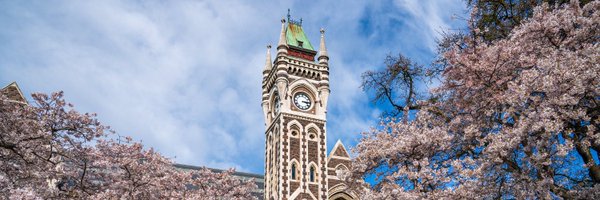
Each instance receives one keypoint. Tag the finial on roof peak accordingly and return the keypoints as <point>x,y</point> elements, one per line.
<point>322,31</point>
<point>268,46</point>
<point>290,20</point>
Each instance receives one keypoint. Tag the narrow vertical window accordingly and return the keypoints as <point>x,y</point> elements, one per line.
<point>293,171</point>
<point>312,174</point>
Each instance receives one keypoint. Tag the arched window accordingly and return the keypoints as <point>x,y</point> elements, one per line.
<point>295,130</point>
<point>313,134</point>
<point>293,171</point>
<point>312,174</point>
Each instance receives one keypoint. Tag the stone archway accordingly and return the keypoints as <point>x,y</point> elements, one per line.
<point>341,196</point>
<point>341,192</point>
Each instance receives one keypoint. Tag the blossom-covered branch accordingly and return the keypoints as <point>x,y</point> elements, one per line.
<point>523,119</point>
<point>48,150</point>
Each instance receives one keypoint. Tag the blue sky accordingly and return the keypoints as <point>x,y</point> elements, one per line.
<point>184,77</point>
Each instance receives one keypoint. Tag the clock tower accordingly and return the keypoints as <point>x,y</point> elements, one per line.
<point>294,101</point>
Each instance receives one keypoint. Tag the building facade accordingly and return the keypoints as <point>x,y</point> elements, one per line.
<point>294,101</point>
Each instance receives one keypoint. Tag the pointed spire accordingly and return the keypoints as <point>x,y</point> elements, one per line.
<point>281,46</point>
<point>268,63</point>
<point>323,57</point>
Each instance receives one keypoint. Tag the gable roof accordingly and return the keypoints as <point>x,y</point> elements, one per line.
<point>13,92</point>
<point>339,150</point>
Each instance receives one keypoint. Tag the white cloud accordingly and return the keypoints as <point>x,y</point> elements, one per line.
<point>184,76</point>
<point>432,17</point>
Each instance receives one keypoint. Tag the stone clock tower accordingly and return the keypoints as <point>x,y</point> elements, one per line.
<point>294,101</point>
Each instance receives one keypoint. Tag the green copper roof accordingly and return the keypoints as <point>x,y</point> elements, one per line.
<point>295,37</point>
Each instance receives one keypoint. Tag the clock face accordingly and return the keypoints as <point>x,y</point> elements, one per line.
<point>277,105</point>
<point>302,101</point>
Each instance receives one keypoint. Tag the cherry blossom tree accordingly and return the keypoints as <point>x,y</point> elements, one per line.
<point>517,118</point>
<point>497,18</point>
<point>48,150</point>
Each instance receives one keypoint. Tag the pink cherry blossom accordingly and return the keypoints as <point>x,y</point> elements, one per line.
<point>50,151</point>
<point>519,119</point>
